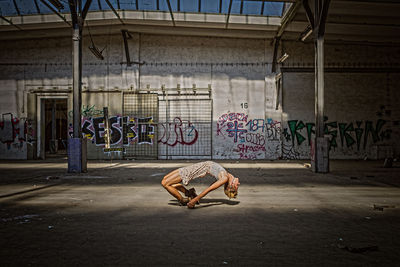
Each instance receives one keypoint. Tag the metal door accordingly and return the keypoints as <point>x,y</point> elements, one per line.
<point>139,122</point>
<point>185,128</point>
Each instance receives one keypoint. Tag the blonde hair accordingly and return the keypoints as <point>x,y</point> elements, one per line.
<point>230,194</point>
<point>231,189</point>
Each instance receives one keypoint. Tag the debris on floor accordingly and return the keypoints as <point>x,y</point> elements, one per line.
<point>388,163</point>
<point>382,207</point>
<point>52,178</point>
<point>21,219</point>
<point>359,249</point>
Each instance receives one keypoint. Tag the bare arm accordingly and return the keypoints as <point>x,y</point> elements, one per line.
<point>212,187</point>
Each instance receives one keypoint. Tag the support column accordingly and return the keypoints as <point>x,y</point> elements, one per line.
<point>76,158</point>
<point>53,141</point>
<point>320,144</point>
<point>77,79</point>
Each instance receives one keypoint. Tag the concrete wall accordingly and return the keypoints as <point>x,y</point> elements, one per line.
<point>362,117</point>
<point>251,119</point>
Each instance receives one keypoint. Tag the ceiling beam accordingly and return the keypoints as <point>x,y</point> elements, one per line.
<point>170,12</point>
<point>115,12</point>
<point>262,8</point>
<point>288,17</point>
<point>309,14</point>
<point>16,7</point>
<point>275,55</point>
<point>371,1</point>
<point>241,7</point>
<point>290,1</point>
<point>37,6</point>
<point>126,35</point>
<point>86,8</point>
<point>55,12</point>
<point>10,22</point>
<point>322,18</point>
<point>74,15</point>
<point>229,14</point>
<point>284,23</point>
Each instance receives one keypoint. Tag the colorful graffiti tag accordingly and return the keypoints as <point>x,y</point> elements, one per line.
<point>262,138</point>
<point>16,131</point>
<point>178,132</point>
<point>352,137</point>
<point>350,134</point>
<point>248,135</point>
<point>88,111</point>
<point>124,130</point>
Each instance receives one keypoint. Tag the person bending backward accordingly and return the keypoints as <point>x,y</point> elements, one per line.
<point>174,182</point>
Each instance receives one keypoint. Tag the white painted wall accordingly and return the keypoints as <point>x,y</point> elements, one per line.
<point>243,88</point>
<point>357,101</point>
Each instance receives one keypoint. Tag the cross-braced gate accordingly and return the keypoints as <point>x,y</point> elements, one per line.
<point>171,125</point>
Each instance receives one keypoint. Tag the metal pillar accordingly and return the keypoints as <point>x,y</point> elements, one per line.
<point>53,141</point>
<point>320,147</point>
<point>77,145</point>
<point>77,79</point>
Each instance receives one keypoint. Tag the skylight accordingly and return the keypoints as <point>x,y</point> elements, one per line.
<point>238,7</point>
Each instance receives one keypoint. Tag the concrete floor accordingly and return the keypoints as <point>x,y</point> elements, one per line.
<point>118,214</point>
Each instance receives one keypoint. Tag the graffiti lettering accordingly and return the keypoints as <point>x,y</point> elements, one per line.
<point>348,134</point>
<point>220,128</point>
<point>249,151</point>
<point>178,132</point>
<point>256,124</point>
<point>256,139</point>
<point>273,130</point>
<point>289,152</point>
<point>235,130</point>
<point>123,130</point>
<point>295,127</point>
<point>245,148</point>
<point>232,117</point>
<point>88,111</point>
<point>14,131</point>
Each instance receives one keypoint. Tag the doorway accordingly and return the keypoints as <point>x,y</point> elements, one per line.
<point>56,127</point>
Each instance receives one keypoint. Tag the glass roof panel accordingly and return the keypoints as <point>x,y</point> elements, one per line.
<point>210,6</point>
<point>189,6</point>
<point>148,4</point>
<point>252,8</point>
<point>246,7</point>
<point>273,8</point>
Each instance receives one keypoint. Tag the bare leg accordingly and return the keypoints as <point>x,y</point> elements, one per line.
<point>181,188</point>
<point>170,182</point>
<point>190,193</point>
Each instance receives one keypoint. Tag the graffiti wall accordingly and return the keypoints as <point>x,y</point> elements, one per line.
<point>346,139</point>
<point>124,131</point>
<point>15,135</point>
<point>178,132</point>
<point>184,139</point>
<point>241,137</point>
<point>173,138</point>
